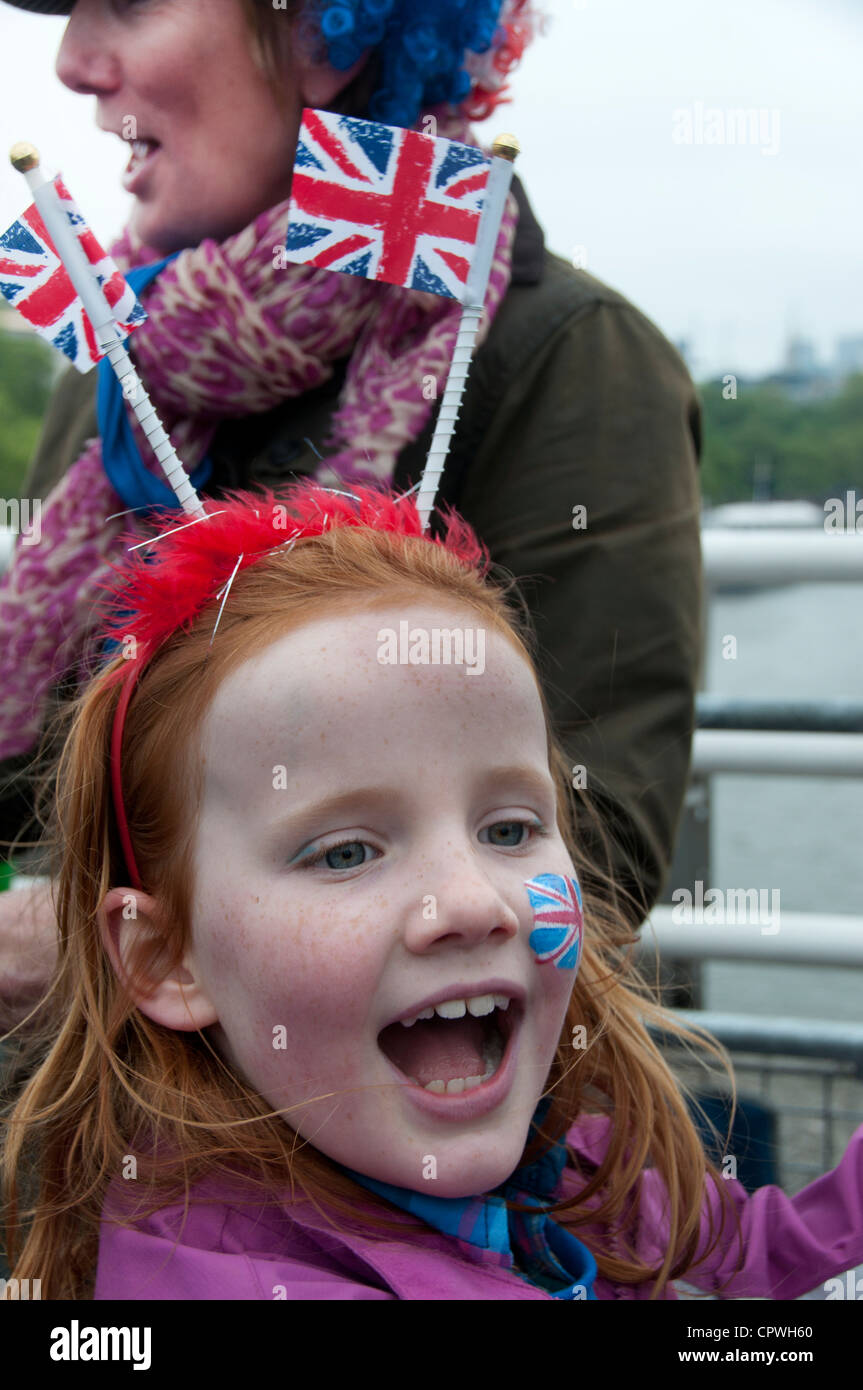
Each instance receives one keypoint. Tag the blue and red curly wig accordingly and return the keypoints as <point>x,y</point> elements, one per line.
<point>457,52</point>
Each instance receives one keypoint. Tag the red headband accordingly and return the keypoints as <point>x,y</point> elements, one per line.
<point>170,580</point>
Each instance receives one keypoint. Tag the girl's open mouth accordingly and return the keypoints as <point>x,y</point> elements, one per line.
<point>457,1047</point>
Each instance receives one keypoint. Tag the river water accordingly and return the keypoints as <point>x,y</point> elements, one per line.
<point>802,835</point>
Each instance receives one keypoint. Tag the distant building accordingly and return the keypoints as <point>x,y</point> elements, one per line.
<point>803,378</point>
<point>805,386</point>
<point>849,355</point>
<point>801,357</point>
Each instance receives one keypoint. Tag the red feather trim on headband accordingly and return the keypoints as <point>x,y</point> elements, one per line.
<point>167,582</point>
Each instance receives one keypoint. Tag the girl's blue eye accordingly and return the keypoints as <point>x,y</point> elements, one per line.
<point>510,825</point>
<point>344,859</point>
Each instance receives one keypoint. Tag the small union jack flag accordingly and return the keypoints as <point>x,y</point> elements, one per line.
<point>34,280</point>
<point>559,921</point>
<point>385,203</point>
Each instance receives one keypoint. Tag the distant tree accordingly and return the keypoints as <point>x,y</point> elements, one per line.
<point>812,450</point>
<point>27,373</point>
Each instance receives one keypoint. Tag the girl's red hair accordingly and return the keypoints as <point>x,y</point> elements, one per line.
<point>101,1081</point>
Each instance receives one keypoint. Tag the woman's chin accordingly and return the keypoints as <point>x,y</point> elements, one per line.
<point>160,235</point>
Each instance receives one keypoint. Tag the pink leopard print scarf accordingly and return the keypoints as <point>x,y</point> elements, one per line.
<point>229,334</point>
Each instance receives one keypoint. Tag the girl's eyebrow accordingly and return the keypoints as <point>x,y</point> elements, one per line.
<point>372,797</point>
<point>385,798</point>
<point>536,783</point>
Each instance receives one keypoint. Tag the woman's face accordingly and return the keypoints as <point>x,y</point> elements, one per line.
<point>434,783</point>
<point>179,74</point>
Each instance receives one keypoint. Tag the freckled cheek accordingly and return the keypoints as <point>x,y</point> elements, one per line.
<point>563,994</point>
<point>318,985</point>
<point>241,959</point>
<point>328,998</point>
<point>224,935</point>
<point>552,1000</point>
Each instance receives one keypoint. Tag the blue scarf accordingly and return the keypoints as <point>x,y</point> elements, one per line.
<point>121,458</point>
<point>550,1256</point>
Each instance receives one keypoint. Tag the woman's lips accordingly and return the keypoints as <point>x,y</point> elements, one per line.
<point>140,164</point>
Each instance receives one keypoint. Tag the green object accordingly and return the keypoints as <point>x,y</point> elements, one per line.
<point>7,873</point>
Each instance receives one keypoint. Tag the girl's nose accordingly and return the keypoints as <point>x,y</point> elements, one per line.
<point>87,61</point>
<point>460,905</point>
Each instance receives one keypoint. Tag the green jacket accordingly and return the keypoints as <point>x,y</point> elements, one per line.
<point>575,400</point>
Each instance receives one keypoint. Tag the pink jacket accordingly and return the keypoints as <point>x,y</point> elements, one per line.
<point>231,1250</point>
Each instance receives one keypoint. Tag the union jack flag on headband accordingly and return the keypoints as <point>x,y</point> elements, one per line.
<point>34,280</point>
<point>559,921</point>
<point>385,203</point>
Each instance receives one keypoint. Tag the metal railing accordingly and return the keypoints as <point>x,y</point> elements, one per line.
<point>809,1072</point>
<point>818,738</point>
<point>751,558</point>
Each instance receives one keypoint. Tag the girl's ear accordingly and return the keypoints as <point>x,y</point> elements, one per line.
<point>127,920</point>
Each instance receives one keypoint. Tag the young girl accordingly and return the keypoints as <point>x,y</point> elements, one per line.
<point>341,1012</point>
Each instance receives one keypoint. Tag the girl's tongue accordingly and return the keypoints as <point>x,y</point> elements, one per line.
<point>438,1049</point>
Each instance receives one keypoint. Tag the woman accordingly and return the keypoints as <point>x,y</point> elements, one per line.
<point>576,449</point>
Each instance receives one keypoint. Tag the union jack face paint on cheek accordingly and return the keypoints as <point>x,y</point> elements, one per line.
<point>558,919</point>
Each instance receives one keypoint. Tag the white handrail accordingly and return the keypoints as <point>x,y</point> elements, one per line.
<point>764,751</point>
<point>803,938</point>
<point>745,557</point>
<point>755,557</point>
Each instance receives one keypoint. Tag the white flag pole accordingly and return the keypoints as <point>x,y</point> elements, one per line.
<point>504,149</point>
<point>25,158</point>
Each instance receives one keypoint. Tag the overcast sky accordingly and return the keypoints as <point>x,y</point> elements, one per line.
<point>731,245</point>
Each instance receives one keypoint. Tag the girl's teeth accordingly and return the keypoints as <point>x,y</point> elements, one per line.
<point>479,1005</point>
<point>459,1083</point>
<point>453,1008</point>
